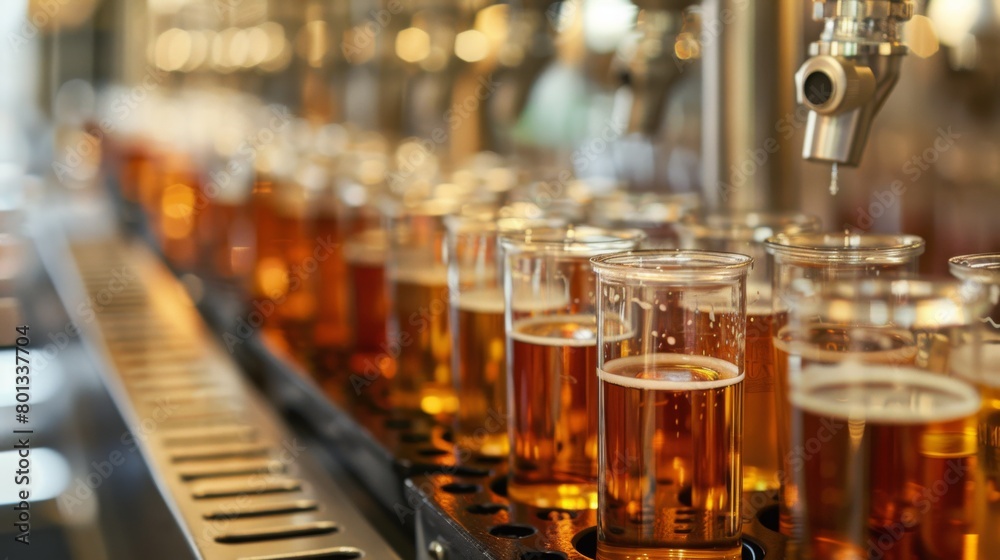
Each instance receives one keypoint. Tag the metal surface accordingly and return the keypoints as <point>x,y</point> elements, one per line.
<point>239,484</point>
<point>749,54</point>
<point>654,68</point>
<point>853,68</point>
<point>461,517</point>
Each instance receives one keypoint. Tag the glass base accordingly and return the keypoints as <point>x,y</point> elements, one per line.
<point>610,552</point>
<point>556,496</point>
<point>759,480</point>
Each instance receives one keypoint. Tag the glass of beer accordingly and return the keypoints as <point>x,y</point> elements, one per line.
<point>745,233</point>
<point>418,337</point>
<point>551,323</point>
<point>984,270</point>
<point>479,355</point>
<point>365,253</point>
<point>821,257</point>
<point>671,328</point>
<point>656,214</point>
<point>883,409</point>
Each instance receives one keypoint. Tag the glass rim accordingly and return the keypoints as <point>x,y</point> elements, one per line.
<point>978,267</point>
<point>672,264</point>
<point>916,301</point>
<point>845,247</point>
<point>583,241</point>
<point>748,226</point>
<point>458,224</point>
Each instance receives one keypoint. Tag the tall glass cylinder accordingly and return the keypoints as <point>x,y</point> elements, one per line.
<point>417,332</point>
<point>671,338</point>
<point>475,288</point>
<point>823,257</point>
<point>984,270</point>
<point>883,407</point>
<point>551,324</point>
<point>745,233</point>
<point>656,214</point>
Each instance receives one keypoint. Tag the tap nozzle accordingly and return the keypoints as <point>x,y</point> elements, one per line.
<point>851,71</point>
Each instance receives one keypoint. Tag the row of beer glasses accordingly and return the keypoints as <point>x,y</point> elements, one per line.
<point>624,377</point>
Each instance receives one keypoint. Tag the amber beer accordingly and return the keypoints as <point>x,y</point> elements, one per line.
<point>897,456</point>
<point>760,471</point>
<point>419,325</point>
<point>554,388</point>
<point>481,424</point>
<point>671,426</point>
<point>823,344</point>
<point>365,255</point>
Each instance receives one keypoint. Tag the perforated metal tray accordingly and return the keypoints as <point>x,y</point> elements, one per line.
<point>239,483</point>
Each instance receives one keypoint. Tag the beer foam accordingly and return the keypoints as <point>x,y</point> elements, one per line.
<point>483,300</point>
<point>363,255</point>
<point>808,351</point>
<point>730,373</point>
<point>962,364</point>
<point>588,320</point>
<point>490,300</point>
<point>874,393</point>
<point>425,276</point>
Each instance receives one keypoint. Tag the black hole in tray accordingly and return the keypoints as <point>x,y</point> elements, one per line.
<point>432,452</point>
<point>513,531</point>
<point>491,460</point>
<point>543,555</point>
<point>470,472</point>
<point>499,486</point>
<point>585,542</point>
<point>752,550</point>
<point>398,423</point>
<point>413,437</point>
<point>461,488</point>
<point>557,514</point>
<point>768,517</point>
<point>486,509</point>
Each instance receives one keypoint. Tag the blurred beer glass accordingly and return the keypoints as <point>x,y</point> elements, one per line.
<point>671,338</point>
<point>984,270</point>
<point>365,253</point>
<point>883,413</point>
<point>551,324</point>
<point>475,286</point>
<point>745,233</point>
<point>656,214</point>
<point>822,257</point>
<point>418,332</point>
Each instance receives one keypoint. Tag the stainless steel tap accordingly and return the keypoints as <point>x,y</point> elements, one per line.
<point>851,71</point>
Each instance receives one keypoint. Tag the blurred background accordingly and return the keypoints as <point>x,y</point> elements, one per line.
<point>231,135</point>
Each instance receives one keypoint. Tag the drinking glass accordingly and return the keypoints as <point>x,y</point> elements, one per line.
<point>671,328</point>
<point>551,324</point>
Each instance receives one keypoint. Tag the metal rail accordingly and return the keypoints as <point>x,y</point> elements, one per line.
<point>239,483</point>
